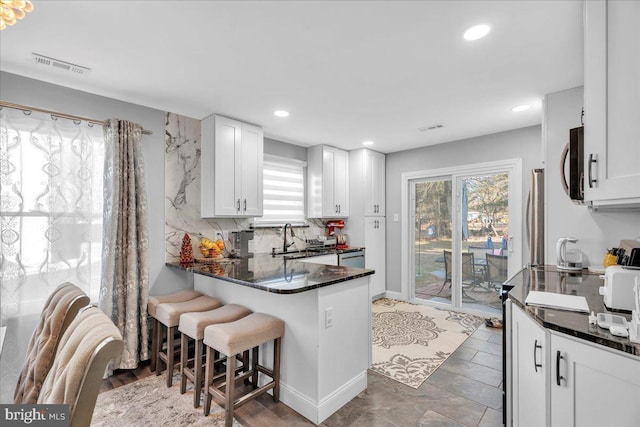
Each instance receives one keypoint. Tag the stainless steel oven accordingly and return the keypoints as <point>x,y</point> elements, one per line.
<point>351,259</point>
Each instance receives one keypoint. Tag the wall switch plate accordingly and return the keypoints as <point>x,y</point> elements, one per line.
<point>396,217</point>
<point>328,317</point>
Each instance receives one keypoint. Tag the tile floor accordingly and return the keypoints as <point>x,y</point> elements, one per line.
<point>464,391</point>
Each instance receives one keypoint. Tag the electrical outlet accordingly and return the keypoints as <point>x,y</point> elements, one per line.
<point>328,317</point>
<point>396,217</point>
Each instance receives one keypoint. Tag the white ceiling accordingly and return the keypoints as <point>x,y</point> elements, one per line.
<point>347,71</point>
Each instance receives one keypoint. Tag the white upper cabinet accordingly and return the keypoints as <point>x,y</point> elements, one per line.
<point>612,103</point>
<point>367,169</point>
<point>327,182</point>
<point>231,163</point>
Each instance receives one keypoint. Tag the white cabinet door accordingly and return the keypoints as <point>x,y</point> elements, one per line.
<point>222,189</point>
<point>251,163</point>
<point>341,182</point>
<point>592,386</point>
<point>329,204</point>
<point>375,252</point>
<point>612,102</point>
<point>328,182</point>
<point>374,183</point>
<point>322,259</point>
<point>529,370</point>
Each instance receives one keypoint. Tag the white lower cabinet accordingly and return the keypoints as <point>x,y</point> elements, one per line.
<point>592,386</point>
<point>529,370</point>
<point>563,381</point>
<point>322,259</point>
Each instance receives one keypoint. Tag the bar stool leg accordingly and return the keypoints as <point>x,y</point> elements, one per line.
<point>254,368</point>
<point>197,373</point>
<point>154,345</point>
<point>170,359</point>
<point>184,359</point>
<point>208,379</point>
<point>229,391</point>
<point>276,370</point>
<point>159,339</point>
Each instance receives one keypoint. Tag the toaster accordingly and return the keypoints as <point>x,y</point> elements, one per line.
<point>618,288</point>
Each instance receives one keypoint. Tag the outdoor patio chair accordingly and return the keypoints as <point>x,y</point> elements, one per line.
<point>496,270</point>
<point>469,279</point>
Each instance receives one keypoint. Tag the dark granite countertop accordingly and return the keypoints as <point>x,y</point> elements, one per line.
<point>550,279</point>
<point>275,274</point>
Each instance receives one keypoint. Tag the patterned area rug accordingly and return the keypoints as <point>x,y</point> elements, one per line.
<point>410,341</point>
<point>148,402</point>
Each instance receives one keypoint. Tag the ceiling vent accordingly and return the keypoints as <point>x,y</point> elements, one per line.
<point>431,127</point>
<point>59,64</point>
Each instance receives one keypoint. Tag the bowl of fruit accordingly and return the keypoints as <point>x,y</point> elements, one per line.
<point>210,248</point>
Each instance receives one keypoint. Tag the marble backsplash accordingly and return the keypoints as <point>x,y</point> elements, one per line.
<point>182,197</point>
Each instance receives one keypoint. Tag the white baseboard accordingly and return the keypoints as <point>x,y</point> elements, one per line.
<point>336,400</point>
<point>394,295</point>
<point>342,396</point>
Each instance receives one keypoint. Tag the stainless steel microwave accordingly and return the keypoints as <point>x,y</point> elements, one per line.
<point>572,165</point>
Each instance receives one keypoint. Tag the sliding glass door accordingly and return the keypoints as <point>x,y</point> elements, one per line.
<point>460,237</point>
<point>432,238</point>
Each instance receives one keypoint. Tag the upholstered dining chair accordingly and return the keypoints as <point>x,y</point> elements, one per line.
<point>85,350</point>
<point>59,310</point>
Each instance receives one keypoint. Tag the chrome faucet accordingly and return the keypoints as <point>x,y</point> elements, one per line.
<point>285,245</point>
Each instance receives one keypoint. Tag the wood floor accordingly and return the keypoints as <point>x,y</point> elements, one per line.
<point>464,391</point>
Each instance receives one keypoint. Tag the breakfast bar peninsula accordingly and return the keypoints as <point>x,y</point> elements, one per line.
<point>326,348</point>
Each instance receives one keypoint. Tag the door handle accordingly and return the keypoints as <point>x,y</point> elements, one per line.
<point>536,346</point>
<point>558,376</point>
<point>591,162</point>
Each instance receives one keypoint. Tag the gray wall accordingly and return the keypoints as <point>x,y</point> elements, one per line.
<point>36,93</point>
<point>520,143</point>
<point>596,231</point>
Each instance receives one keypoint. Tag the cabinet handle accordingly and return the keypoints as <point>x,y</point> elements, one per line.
<point>591,162</point>
<point>536,365</point>
<point>558,376</point>
<point>339,208</point>
<point>336,208</point>
<point>238,203</point>
<point>245,205</point>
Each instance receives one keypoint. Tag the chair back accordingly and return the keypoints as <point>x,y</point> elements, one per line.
<point>86,348</point>
<point>468,270</point>
<point>59,310</point>
<point>497,268</point>
<point>467,266</point>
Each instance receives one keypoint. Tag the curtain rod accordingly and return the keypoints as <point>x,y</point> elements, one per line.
<point>62,115</point>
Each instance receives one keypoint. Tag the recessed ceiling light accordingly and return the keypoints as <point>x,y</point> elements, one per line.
<point>367,143</point>
<point>520,108</point>
<point>281,113</point>
<point>477,32</point>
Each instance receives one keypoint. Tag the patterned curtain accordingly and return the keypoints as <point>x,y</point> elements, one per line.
<point>50,221</point>
<point>125,275</point>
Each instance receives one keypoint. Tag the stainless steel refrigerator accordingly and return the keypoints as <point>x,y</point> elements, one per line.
<point>535,217</point>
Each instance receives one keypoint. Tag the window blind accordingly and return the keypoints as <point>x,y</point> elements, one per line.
<point>283,192</point>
